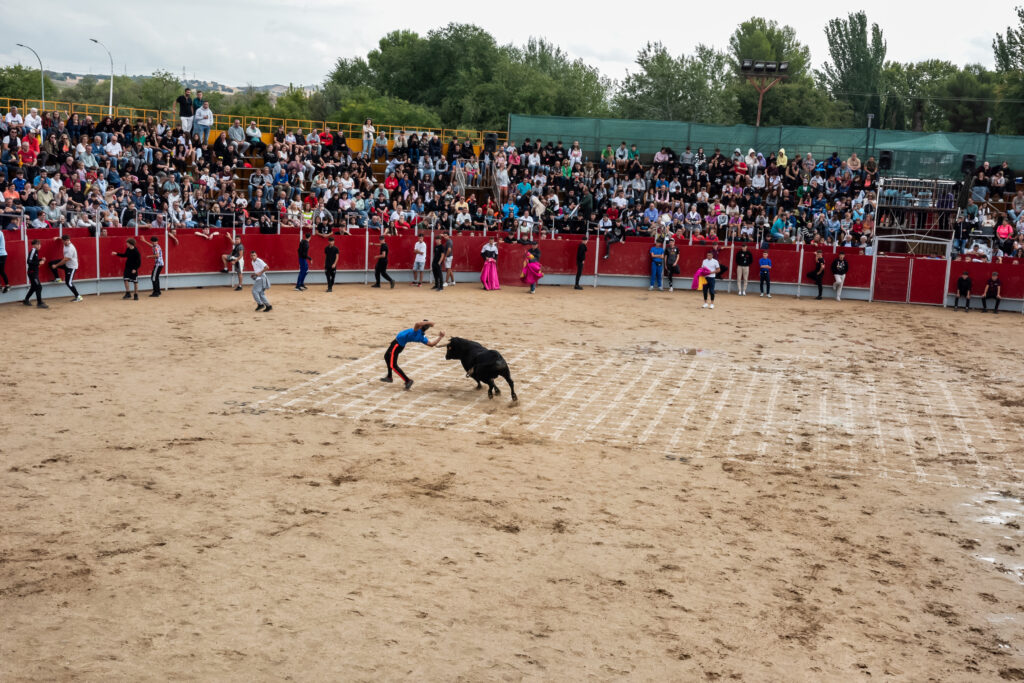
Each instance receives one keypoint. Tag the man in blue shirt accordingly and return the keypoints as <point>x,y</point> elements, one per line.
<point>416,333</point>
<point>657,257</point>
<point>765,265</point>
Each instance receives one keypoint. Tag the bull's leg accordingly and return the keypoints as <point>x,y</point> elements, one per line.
<point>512,387</point>
<point>491,389</point>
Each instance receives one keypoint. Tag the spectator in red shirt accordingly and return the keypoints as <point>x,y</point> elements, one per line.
<point>326,138</point>
<point>28,161</point>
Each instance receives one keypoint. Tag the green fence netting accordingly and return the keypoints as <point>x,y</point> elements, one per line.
<point>916,155</point>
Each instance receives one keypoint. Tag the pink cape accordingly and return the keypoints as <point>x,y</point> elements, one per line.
<point>489,275</point>
<point>531,273</point>
<point>701,272</point>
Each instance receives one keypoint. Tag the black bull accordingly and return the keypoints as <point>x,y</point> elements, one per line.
<point>481,364</point>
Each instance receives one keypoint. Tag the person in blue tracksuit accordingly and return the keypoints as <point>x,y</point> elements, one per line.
<point>657,259</point>
<point>416,333</point>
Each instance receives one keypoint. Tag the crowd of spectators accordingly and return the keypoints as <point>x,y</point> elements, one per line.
<point>114,172</point>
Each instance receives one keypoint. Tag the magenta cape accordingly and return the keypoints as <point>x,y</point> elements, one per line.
<point>531,273</point>
<point>489,275</point>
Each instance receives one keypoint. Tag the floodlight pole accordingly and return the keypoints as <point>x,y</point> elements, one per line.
<point>763,84</point>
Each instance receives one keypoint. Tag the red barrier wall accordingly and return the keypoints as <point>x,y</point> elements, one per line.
<point>1012,277</point>
<point>194,254</point>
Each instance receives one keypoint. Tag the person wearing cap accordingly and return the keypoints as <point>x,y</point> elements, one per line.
<point>818,273</point>
<point>69,263</point>
<point>416,333</point>
<point>158,264</point>
<point>380,269</point>
<point>132,263</point>
<point>260,283</point>
<point>993,290</point>
<point>840,266</point>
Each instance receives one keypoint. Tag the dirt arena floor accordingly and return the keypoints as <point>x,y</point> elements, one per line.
<point>774,490</point>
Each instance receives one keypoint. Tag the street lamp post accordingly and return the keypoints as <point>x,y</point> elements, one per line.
<point>42,79</point>
<point>110,105</point>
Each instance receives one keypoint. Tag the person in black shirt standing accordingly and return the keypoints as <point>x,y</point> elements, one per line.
<point>304,261</point>
<point>381,269</point>
<point>330,262</point>
<point>993,290</point>
<point>839,269</point>
<point>186,110</point>
<point>671,262</point>
<point>818,274</point>
<point>32,264</point>
<point>440,249</point>
<point>963,289</point>
<point>581,256</point>
<point>743,260</point>
<point>132,263</point>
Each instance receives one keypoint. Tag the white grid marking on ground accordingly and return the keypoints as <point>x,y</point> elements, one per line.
<point>790,411</point>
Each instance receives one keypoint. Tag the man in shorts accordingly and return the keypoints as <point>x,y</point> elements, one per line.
<point>234,261</point>
<point>419,262</point>
<point>132,263</point>
<point>449,253</point>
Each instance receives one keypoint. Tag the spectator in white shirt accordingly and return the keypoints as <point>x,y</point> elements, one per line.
<point>34,122</point>
<point>13,118</point>
<point>113,148</point>
<point>202,123</point>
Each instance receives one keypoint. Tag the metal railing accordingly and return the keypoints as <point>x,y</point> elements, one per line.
<point>268,125</point>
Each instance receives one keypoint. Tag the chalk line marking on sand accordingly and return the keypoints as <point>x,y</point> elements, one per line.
<point>629,399</point>
<point>667,402</point>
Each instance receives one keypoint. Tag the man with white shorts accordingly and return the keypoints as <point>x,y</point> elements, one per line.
<point>449,253</point>
<point>840,267</point>
<point>419,262</point>
<point>186,110</point>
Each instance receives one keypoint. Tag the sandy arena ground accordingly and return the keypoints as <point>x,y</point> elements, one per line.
<point>771,491</point>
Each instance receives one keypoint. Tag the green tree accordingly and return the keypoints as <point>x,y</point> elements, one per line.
<point>797,100</point>
<point>685,88</point>
<point>20,82</point>
<point>854,74</point>
<point>1009,48</point>
<point>1009,58</point>
<point>965,99</point>
<point>911,95</point>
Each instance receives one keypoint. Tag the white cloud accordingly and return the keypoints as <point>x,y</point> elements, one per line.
<point>297,41</point>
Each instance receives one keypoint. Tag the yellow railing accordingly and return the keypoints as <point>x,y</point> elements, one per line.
<point>267,124</point>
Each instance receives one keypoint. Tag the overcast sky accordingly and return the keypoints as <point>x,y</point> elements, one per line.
<point>297,41</point>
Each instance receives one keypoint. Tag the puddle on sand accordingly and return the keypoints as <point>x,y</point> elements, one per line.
<point>999,516</point>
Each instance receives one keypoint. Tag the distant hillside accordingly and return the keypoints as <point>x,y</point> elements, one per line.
<point>67,79</point>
